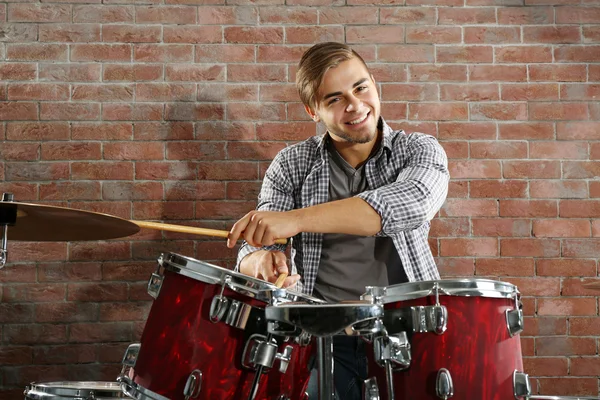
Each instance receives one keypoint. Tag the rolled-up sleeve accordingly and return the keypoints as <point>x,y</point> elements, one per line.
<point>419,190</point>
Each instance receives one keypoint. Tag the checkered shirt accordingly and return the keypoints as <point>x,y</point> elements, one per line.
<point>407,184</point>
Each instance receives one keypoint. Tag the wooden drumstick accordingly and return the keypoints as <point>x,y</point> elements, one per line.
<point>189,229</point>
<point>280,279</point>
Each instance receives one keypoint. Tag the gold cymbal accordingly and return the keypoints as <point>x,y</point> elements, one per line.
<point>37,222</point>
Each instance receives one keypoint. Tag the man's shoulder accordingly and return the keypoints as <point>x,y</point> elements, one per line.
<point>305,150</point>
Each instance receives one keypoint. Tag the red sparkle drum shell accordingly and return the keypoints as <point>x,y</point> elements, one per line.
<point>477,348</point>
<point>179,338</point>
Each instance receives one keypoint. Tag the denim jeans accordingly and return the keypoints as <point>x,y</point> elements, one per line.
<point>349,369</point>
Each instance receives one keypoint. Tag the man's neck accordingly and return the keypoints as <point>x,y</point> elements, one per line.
<point>356,154</point>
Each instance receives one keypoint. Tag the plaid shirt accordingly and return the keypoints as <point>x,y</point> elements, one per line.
<point>407,185</point>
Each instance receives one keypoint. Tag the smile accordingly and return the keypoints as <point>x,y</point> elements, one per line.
<point>358,120</point>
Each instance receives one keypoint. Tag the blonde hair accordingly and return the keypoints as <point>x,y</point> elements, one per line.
<point>315,62</point>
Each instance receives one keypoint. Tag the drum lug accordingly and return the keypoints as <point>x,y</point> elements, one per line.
<point>444,388</point>
<point>131,355</point>
<point>371,390</point>
<point>218,307</point>
<point>154,284</point>
<point>393,348</point>
<point>193,385</point>
<point>260,352</point>
<point>430,319</point>
<point>521,386</point>
<point>514,322</point>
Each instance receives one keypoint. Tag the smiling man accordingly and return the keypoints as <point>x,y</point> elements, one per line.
<point>356,201</point>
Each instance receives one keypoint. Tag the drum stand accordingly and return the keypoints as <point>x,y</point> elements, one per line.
<point>324,321</point>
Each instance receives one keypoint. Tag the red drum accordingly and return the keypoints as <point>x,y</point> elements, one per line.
<point>455,339</point>
<point>206,337</point>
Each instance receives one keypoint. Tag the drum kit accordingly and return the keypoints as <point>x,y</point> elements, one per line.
<point>215,334</point>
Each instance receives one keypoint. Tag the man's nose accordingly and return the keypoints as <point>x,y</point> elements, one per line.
<point>354,104</point>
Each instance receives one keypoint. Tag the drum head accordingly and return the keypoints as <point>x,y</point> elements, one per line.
<point>449,287</point>
<point>238,282</point>
<point>73,390</point>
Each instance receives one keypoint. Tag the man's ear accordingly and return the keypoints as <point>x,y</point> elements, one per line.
<point>312,114</point>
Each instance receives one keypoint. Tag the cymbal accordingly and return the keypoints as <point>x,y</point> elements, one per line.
<point>37,222</point>
<point>592,285</point>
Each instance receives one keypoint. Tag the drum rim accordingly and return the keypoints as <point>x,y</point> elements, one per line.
<point>475,287</point>
<point>236,281</point>
<point>75,388</point>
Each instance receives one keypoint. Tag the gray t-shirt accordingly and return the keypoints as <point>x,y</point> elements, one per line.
<point>348,262</point>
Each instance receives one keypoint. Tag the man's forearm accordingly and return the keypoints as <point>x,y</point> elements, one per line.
<point>352,216</point>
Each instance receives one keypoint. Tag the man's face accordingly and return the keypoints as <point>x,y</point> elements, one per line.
<point>348,103</point>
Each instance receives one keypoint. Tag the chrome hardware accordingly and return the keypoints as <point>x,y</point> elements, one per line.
<point>444,388</point>
<point>154,284</point>
<point>9,218</point>
<point>514,322</point>
<point>371,390</point>
<point>193,385</point>
<point>429,319</point>
<point>521,386</point>
<point>392,348</point>
<point>260,352</point>
<point>218,307</point>
<point>134,391</point>
<point>283,397</point>
<point>303,339</point>
<point>131,354</point>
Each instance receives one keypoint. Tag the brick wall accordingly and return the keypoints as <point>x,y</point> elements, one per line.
<point>172,110</point>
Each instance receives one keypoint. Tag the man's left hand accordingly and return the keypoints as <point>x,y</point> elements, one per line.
<point>261,228</point>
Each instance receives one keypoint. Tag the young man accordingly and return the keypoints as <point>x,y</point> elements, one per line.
<point>356,201</point>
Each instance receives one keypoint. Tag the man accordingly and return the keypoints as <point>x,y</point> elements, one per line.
<point>356,201</point>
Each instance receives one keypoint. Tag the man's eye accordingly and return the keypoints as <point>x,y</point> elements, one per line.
<point>361,88</point>
<point>335,99</point>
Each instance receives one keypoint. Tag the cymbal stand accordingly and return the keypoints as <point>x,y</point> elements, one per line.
<point>8,216</point>
<point>325,367</point>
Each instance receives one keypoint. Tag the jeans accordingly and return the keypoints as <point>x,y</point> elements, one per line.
<point>349,370</point>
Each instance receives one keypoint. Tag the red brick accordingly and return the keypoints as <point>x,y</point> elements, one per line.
<point>254,35</point>
<point>577,53</point>
<point>98,251</point>
<point>528,208</point>
<point>438,111</point>
<point>585,366</point>
<point>255,72</point>
<point>576,91</point>
<point>297,16</point>
<point>65,354</point>
<point>66,312</point>
<point>166,53</point>
<point>32,292</point>
<point>559,150</point>
<point>131,34</point>
<point>577,286</point>
<point>197,190</point>
<point>70,72</point>
<point>165,15</point>
<point>456,267</point>
<point>196,151</point>
<point>469,208</point>
<point>276,92</point>
<point>70,111</point>
<point>293,131</point>
<point>150,250</point>
<point>226,53</point>
<point>558,73</point>
<point>16,355</point>
<point>580,169</point>
<point>474,169</point>
<point>71,151</point>
<point>565,346</point>
<point>577,15</point>
<point>194,73</point>
<point>39,13</point>
<point>466,16</point>
<point>464,54</point>
<point>70,191</point>
<point>297,112</point>
<point>433,34</point>
<point>254,150</point>
<point>545,326</point>
<point>163,131</point>
<point>165,170</point>
<point>561,189</point>
<point>536,286</point>
<point>499,111</point>
<point>223,210</point>
<point>566,267</point>
<point>227,171</point>
<point>456,150</point>
<point>346,16</point>
<point>499,189</point>
<point>520,92</point>
<point>18,111</point>
<point>525,15</point>
<point>171,210</point>
<point>34,251</point>
<point>393,110</point>
<point>132,191</point>
<point>408,15</point>
<point>132,112</point>
<point>243,190</point>
<point>491,35</point>
<point>18,71</point>
<point>469,247</point>
<point>578,130</point>
<point>580,248</point>
<point>584,326</point>
<point>498,73</point>
<point>532,169</point>
<point>227,15</point>
<point>103,14</point>
<point>529,248</point>
<point>467,130</point>
<point>19,273</point>
<point>417,54</point>
<point>367,34</point>
<point>16,313</point>
<point>501,227</point>
<point>134,151</point>
<point>489,150</point>
<point>554,228</point>
<point>36,171</point>
<point>19,151</point>
<point>73,33</point>
<point>101,131</point>
<point>577,306</point>
<point>209,250</point>
<point>102,170</point>
<point>192,34</point>
<point>194,111</point>
<point>100,332</point>
<point>135,72</point>
<point>280,54</point>
<point>551,34</point>
<point>128,271</point>
<point>525,130</point>
<point>473,92</point>
<point>128,311</point>
<point>528,346</point>
<point>69,272</point>
<point>256,111</point>
<point>504,266</point>
<point>35,334</point>
<point>38,91</point>
<point>591,34</point>
<point>101,52</point>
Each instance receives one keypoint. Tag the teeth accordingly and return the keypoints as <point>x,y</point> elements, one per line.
<point>358,121</point>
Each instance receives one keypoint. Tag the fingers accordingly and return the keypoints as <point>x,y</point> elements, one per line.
<point>290,281</point>
<point>237,229</point>
<point>280,262</point>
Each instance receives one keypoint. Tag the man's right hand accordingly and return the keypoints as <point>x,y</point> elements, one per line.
<point>268,265</point>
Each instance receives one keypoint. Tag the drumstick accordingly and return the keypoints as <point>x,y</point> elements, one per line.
<point>189,229</point>
<point>280,279</point>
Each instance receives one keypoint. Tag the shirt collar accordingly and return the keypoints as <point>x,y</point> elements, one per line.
<point>386,142</point>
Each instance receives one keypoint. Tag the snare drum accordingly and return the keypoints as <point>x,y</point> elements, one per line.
<point>73,390</point>
<point>457,337</point>
<point>206,337</point>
